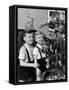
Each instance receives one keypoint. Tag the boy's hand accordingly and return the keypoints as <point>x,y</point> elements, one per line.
<point>47,65</point>
<point>47,60</point>
<point>35,65</point>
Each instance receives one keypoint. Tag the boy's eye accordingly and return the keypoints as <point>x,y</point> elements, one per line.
<point>31,37</point>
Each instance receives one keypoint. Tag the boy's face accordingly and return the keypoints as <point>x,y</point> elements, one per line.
<point>39,39</point>
<point>29,38</point>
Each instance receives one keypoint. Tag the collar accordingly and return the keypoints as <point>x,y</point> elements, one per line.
<point>39,46</point>
<point>26,45</point>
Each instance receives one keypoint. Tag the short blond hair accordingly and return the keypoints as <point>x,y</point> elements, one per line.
<point>39,33</point>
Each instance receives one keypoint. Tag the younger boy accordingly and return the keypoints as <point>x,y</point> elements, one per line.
<point>27,65</point>
<point>39,54</point>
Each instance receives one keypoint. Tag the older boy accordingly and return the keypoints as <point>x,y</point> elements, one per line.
<point>27,65</point>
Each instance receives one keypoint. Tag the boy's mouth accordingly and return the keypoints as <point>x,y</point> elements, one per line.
<point>41,41</point>
<point>31,41</point>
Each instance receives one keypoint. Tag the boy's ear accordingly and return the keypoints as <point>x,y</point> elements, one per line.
<point>24,38</point>
<point>36,39</point>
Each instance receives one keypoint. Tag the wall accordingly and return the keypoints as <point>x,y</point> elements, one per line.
<point>40,17</point>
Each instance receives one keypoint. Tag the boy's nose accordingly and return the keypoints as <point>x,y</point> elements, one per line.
<point>32,38</point>
<point>42,39</point>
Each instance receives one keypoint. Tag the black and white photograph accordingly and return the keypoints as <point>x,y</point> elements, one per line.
<point>41,44</point>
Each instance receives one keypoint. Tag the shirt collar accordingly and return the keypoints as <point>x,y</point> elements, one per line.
<point>39,46</point>
<point>26,46</point>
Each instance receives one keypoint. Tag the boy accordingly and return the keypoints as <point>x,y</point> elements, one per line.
<point>27,65</point>
<point>39,54</point>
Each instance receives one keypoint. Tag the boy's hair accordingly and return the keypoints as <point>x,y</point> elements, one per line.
<point>28,32</point>
<point>39,33</point>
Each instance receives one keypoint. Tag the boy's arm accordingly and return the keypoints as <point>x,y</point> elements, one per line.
<point>37,69</point>
<point>22,57</point>
<point>35,61</point>
<point>35,55</point>
<point>22,63</point>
